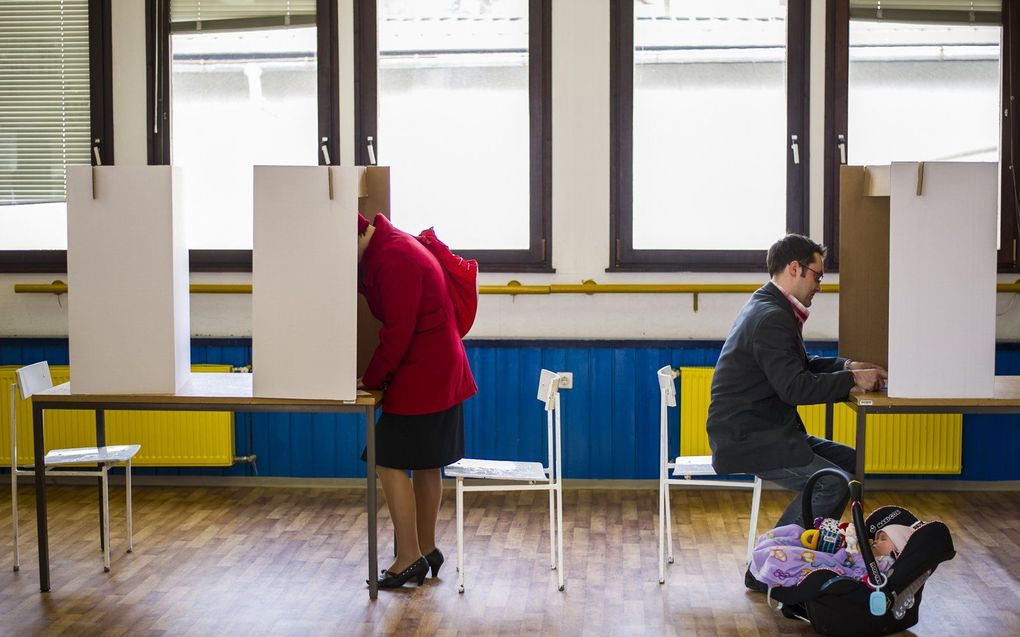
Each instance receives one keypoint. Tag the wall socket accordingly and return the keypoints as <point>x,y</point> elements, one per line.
<point>566,380</point>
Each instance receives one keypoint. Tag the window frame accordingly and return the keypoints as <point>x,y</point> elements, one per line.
<point>538,256</point>
<point>157,40</point>
<point>101,128</point>
<point>837,68</point>
<point>623,257</point>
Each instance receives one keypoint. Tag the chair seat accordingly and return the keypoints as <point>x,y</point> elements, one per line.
<point>693,466</point>
<point>112,453</point>
<point>496,470</point>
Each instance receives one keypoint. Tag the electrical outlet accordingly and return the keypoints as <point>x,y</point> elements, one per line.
<point>566,380</point>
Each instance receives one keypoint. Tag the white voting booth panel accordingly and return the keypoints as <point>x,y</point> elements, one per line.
<point>127,269</point>
<point>304,282</point>
<point>942,276</point>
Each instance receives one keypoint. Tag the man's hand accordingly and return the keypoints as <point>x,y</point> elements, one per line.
<point>855,365</point>
<point>868,376</point>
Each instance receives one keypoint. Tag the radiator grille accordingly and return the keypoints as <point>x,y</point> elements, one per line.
<point>168,439</point>
<point>896,443</point>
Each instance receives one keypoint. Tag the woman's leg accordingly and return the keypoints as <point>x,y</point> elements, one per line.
<point>400,500</point>
<point>428,494</point>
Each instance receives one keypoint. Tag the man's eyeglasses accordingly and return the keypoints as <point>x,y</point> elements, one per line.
<point>818,275</point>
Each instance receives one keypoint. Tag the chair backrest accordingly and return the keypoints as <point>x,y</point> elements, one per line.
<point>548,387</point>
<point>33,379</point>
<point>667,385</point>
<point>549,394</point>
<point>667,399</point>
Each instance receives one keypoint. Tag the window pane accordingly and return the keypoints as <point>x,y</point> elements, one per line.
<point>709,124</point>
<point>44,117</point>
<point>454,119</point>
<point>239,99</point>
<point>922,92</point>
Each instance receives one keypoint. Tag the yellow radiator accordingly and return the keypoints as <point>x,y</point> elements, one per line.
<point>896,443</point>
<point>168,439</point>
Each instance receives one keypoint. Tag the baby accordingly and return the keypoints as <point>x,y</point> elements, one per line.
<point>779,558</point>
<point>889,543</point>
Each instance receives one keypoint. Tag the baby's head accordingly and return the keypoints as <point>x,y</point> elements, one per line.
<point>891,540</point>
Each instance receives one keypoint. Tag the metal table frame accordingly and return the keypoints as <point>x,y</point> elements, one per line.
<point>60,398</point>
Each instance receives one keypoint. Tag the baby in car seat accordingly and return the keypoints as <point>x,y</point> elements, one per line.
<point>781,559</point>
<point>889,543</point>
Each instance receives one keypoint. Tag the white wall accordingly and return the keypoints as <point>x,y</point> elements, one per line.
<point>580,251</point>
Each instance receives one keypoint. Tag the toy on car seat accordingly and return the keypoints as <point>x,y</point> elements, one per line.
<point>827,536</point>
<point>850,534</point>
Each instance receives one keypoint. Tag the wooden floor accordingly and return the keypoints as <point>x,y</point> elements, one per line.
<point>290,561</point>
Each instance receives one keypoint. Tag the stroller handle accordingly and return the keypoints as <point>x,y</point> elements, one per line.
<point>856,511</point>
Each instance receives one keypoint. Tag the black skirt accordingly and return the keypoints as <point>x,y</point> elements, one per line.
<point>426,441</point>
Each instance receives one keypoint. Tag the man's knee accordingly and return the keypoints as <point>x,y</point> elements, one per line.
<point>830,495</point>
<point>849,465</point>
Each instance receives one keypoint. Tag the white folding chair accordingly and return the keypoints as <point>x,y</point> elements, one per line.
<point>539,478</point>
<point>31,380</point>
<point>684,468</point>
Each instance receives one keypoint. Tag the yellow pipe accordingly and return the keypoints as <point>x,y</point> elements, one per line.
<point>221,288</point>
<point>514,288</point>
<point>590,287</point>
<point>57,287</point>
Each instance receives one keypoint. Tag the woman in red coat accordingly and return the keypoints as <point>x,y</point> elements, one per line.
<point>421,363</point>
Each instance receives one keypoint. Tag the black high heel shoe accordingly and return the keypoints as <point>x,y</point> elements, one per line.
<point>435,560</point>
<point>418,570</point>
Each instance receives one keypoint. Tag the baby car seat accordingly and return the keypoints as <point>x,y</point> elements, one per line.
<point>882,603</point>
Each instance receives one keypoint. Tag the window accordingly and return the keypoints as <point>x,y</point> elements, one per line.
<point>247,87</point>
<point>918,81</point>
<point>54,112</point>
<point>709,130</point>
<point>454,96</point>
<point>908,80</point>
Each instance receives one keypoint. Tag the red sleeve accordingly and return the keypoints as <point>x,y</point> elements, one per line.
<point>400,289</point>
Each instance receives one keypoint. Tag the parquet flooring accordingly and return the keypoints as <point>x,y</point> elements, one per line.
<point>291,561</point>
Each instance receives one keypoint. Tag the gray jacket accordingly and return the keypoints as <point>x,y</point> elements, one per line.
<point>763,373</point>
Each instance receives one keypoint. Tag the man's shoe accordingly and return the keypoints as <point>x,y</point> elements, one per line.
<point>753,584</point>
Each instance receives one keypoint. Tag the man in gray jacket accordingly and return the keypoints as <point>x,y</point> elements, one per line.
<point>762,375</point>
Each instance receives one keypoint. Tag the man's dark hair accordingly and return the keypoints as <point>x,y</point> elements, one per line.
<point>792,247</point>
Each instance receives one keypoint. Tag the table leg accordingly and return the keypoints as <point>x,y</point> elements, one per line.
<point>828,421</point>
<point>100,442</point>
<point>373,549</point>
<point>42,532</point>
<point>862,419</point>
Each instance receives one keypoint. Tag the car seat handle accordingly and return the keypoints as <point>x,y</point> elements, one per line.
<point>809,488</point>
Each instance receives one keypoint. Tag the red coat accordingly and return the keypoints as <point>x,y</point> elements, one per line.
<point>420,359</point>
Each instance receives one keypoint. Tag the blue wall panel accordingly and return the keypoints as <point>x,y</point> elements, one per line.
<point>302,446</point>
<point>623,453</point>
<point>600,432</point>
<point>610,417</point>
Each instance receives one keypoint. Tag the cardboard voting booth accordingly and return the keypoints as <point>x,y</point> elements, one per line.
<point>127,269</point>
<point>918,275</point>
<point>306,326</point>
<point>373,199</point>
